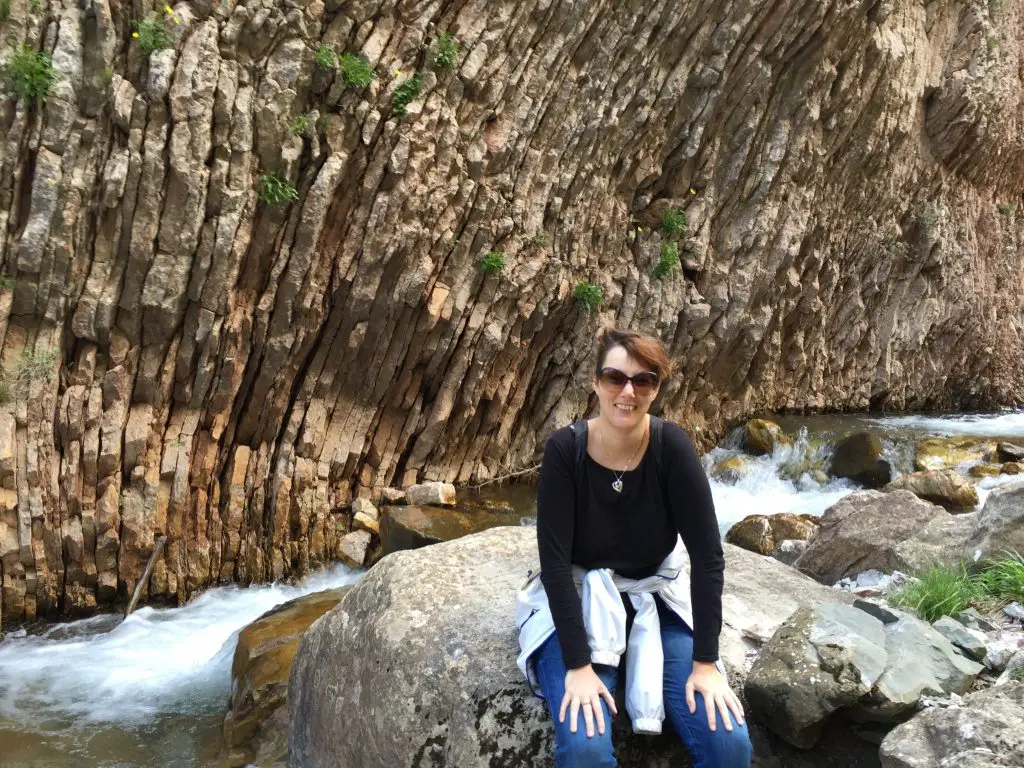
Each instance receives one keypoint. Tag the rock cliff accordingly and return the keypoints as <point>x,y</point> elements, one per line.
<point>244,279</point>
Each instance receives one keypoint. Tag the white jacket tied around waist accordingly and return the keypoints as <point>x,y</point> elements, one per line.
<point>604,617</point>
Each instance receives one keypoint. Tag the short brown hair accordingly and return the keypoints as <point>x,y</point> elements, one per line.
<point>642,348</point>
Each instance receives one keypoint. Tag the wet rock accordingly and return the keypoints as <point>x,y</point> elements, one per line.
<point>353,548</point>
<point>987,731</point>
<point>431,495</point>
<point>259,676</point>
<point>789,526</point>
<point>762,437</point>
<point>820,660</point>
<point>947,452</point>
<point>971,643</point>
<point>858,457</point>
<point>985,470</point>
<point>788,550</point>
<point>1009,452</point>
<point>945,487</point>
<point>411,527</point>
<point>731,470</point>
<point>888,531</point>
<point>753,533</point>
<point>1012,468</point>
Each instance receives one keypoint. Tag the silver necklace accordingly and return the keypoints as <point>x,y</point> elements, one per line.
<point>617,482</point>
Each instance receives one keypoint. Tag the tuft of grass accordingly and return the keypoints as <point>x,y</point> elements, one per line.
<point>356,71</point>
<point>27,367</point>
<point>299,125</point>
<point>588,296</point>
<point>939,592</point>
<point>274,190</point>
<point>673,222</point>
<point>30,74</point>
<point>405,93</point>
<point>152,36</point>
<point>669,260</point>
<point>325,57</point>
<point>1003,579</point>
<point>446,51</point>
<point>492,261</point>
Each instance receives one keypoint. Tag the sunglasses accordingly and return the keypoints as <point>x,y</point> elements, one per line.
<point>615,381</point>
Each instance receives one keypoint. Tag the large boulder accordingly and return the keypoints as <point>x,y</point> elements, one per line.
<point>416,666</point>
<point>985,732</point>
<point>1009,452</point>
<point>858,457</point>
<point>255,728</point>
<point>761,533</point>
<point>886,531</point>
<point>999,526</point>
<point>762,436</point>
<point>945,487</point>
<point>432,494</point>
<point>820,660</point>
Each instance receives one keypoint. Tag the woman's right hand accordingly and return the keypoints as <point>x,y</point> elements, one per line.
<point>584,689</point>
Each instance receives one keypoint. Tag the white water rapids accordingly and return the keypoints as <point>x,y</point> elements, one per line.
<point>153,690</point>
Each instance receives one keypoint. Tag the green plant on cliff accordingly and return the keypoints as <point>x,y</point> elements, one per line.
<point>538,239</point>
<point>405,93</point>
<point>152,36</point>
<point>588,296</point>
<point>299,125</point>
<point>27,367</point>
<point>669,260</point>
<point>325,57</point>
<point>355,71</point>
<point>274,190</point>
<point>5,10</point>
<point>446,51</point>
<point>492,261</point>
<point>673,222</point>
<point>30,74</point>
<point>1006,209</point>
<point>6,282</point>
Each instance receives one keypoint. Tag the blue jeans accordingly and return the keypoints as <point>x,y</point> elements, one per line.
<point>709,749</point>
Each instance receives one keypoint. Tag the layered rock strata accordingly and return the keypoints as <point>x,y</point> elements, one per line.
<point>192,353</point>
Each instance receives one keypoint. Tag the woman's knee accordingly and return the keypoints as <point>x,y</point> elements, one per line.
<point>577,750</point>
<point>729,749</point>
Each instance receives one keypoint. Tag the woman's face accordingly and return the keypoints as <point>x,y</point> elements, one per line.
<point>625,408</point>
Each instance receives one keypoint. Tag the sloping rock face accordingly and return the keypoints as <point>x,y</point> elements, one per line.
<point>416,666</point>
<point>191,353</point>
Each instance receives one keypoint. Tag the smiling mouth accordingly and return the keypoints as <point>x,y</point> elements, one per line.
<point>625,408</point>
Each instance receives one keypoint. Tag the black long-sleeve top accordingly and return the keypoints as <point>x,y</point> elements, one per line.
<point>631,532</point>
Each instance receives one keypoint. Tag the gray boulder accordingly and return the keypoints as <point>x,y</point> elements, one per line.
<point>887,531</point>
<point>967,641</point>
<point>999,526</point>
<point>987,731</point>
<point>921,661</point>
<point>820,660</point>
<point>416,666</point>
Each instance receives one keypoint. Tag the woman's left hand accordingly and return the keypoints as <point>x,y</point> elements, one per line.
<point>712,685</point>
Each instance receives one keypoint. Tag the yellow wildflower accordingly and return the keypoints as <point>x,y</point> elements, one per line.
<point>168,10</point>
<point>135,34</point>
<point>692,191</point>
<point>176,19</point>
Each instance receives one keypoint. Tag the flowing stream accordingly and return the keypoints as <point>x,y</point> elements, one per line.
<point>152,690</point>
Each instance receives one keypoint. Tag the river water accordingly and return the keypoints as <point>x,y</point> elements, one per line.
<point>152,690</point>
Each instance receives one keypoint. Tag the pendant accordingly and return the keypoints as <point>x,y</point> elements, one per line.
<point>617,485</point>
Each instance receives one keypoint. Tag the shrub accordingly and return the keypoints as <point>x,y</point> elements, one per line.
<point>30,74</point>
<point>588,296</point>
<point>325,57</point>
<point>299,125</point>
<point>673,222</point>
<point>939,592</point>
<point>152,36</point>
<point>405,93</point>
<point>446,51</point>
<point>274,190</point>
<point>538,239</point>
<point>356,71</point>
<point>492,261</point>
<point>669,260</point>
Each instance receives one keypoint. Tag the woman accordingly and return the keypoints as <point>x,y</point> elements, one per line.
<point>609,521</point>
